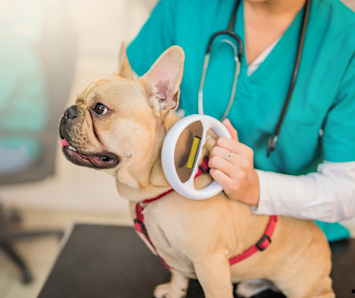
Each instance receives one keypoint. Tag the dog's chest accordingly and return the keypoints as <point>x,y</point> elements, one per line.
<point>166,236</point>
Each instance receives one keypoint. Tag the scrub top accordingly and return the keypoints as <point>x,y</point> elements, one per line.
<point>323,98</point>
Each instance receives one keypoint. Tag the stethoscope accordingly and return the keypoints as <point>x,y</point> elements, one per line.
<point>238,53</point>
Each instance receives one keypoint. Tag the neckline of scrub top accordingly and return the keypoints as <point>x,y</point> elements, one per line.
<point>252,67</point>
<point>284,47</point>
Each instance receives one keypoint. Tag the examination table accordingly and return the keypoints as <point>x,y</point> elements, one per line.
<point>99,261</point>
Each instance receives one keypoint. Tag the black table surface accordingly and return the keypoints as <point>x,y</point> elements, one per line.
<point>99,261</point>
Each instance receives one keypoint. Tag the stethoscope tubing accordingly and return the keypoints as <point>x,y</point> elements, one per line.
<point>273,139</point>
<point>238,58</point>
<point>234,86</point>
<point>230,33</point>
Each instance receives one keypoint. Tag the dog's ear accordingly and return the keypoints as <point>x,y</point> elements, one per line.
<point>124,67</point>
<point>164,79</point>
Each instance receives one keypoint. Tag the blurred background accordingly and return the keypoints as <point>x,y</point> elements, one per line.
<point>49,49</point>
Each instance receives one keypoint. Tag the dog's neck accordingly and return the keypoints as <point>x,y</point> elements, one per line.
<point>147,180</point>
<point>169,121</point>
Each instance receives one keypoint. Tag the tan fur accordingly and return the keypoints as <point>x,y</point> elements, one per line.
<point>195,237</point>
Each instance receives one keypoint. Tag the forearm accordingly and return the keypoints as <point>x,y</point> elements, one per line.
<point>328,195</point>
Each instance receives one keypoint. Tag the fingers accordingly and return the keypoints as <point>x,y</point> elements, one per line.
<point>217,162</point>
<point>221,178</point>
<point>235,168</point>
<point>230,177</point>
<point>235,147</point>
<point>233,144</point>
<point>219,151</point>
<point>237,175</point>
<point>222,152</point>
<point>233,132</point>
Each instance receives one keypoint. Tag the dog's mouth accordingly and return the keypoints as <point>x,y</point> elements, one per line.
<point>98,161</point>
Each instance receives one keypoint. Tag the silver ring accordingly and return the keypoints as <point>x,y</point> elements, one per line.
<point>229,156</point>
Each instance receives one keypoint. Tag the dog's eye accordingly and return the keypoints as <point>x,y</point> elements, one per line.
<point>100,109</point>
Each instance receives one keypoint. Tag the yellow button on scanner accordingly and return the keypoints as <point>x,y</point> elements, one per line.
<point>192,156</point>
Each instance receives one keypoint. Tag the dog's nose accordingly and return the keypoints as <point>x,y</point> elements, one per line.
<point>71,113</point>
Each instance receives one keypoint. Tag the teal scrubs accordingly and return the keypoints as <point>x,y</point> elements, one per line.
<point>324,96</point>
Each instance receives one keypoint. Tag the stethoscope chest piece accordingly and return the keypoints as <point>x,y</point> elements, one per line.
<point>182,149</point>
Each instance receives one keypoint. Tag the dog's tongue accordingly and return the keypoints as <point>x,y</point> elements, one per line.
<point>63,143</point>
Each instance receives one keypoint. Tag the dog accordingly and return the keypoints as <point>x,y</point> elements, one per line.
<point>118,125</point>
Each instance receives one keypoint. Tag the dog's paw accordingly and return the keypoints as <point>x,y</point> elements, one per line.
<point>167,291</point>
<point>251,288</point>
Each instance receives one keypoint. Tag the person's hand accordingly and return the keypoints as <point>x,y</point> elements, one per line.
<point>237,176</point>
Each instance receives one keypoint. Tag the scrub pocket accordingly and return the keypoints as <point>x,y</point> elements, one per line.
<point>298,150</point>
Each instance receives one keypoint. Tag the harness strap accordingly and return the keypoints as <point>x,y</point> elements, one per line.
<point>261,245</point>
<point>139,226</point>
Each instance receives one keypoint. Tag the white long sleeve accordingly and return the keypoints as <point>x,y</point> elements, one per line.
<point>328,195</point>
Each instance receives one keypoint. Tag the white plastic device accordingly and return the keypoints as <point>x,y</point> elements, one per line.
<point>175,158</point>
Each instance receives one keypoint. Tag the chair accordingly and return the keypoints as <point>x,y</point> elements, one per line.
<point>57,49</point>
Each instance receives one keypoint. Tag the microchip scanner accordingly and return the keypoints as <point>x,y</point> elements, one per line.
<point>182,150</point>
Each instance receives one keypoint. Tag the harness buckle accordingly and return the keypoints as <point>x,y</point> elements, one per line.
<point>140,227</point>
<point>202,168</point>
<point>261,245</point>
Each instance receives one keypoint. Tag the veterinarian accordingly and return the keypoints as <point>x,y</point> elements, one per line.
<point>311,172</point>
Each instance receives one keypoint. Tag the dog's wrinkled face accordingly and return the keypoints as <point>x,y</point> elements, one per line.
<point>96,131</point>
<point>115,120</point>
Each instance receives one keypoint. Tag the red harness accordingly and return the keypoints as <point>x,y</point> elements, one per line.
<point>261,245</point>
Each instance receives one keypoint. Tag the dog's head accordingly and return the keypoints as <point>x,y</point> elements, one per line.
<point>117,120</point>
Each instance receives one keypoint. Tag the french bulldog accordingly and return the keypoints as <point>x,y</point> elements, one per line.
<point>118,125</point>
